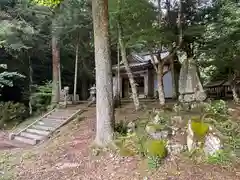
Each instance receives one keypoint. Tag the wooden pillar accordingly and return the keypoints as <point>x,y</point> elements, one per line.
<point>146,91</point>
<point>120,86</point>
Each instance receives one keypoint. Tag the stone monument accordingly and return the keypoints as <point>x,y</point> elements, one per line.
<point>190,87</point>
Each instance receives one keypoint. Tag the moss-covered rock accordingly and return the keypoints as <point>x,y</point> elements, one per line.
<point>156,148</point>
<point>200,129</point>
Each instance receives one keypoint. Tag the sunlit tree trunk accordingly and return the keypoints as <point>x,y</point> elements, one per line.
<point>234,89</point>
<point>104,85</point>
<point>55,66</point>
<point>130,75</point>
<point>75,75</point>
<point>161,94</point>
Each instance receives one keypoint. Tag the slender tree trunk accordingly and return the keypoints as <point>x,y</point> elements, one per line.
<point>235,95</point>
<point>30,85</point>
<point>179,24</point>
<point>125,61</point>
<point>234,90</point>
<point>75,75</point>
<point>159,13</point>
<point>55,66</point>
<point>118,75</point>
<point>104,85</point>
<point>130,75</point>
<point>60,77</point>
<point>117,97</point>
<point>161,94</point>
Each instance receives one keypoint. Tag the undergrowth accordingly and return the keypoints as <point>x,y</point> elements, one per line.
<point>140,143</point>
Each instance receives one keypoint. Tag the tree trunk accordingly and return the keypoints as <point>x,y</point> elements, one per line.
<point>55,66</point>
<point>234,90</point>
<point>130,75</point>
<point>161,94</point>
<point>235,95</point>
<point>118,96</point>
<point>104,86</point>
<point>60,77</point>
<point>30,85</point>
<point>75,76</point>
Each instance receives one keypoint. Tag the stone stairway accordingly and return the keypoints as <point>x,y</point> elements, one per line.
<point>42,128</point>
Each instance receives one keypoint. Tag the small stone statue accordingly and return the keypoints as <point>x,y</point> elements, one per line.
<point>93,93</point>
<point>66,94</point>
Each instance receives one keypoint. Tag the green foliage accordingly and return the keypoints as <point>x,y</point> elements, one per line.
<point>6,78</point>
<point>136,19</point>
<point>156,148</point>
<point>49,3</point>
<point>200,129</point>
<point>41,98</point>
<point>153,162</point>
<point>11,113</point>
<point>217,107</point>
<point>221,157</point>
<point>121,128</point>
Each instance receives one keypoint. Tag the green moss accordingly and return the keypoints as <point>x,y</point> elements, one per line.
<point>156,148</point>
<point>200,129</point>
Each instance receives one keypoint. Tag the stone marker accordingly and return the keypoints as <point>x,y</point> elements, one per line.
<point>212,144</point>
<point>190,137</point>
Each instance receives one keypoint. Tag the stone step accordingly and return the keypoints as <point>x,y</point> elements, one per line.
<point>31,135</point>
<point>26,140</point>
<point>56,117</point>
<point>37,131</point>
<point>64,112</point>
<point>52,124</point>
<point>61,114</point>
<point>53,119</point>
<point>41,127</point>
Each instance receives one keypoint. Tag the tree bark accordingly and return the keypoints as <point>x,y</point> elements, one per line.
<point>234,90</point>
<point>60,77</point>
<point>129,73</point>
<point>55,66</point>
<point>118,76</point>
<point>75,76</point>
<point>30,85</point>
<point>161,94</point>
<point>235,95</point>
<point>104,85</point>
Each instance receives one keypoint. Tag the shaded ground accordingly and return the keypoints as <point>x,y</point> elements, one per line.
<point>69,157</point>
